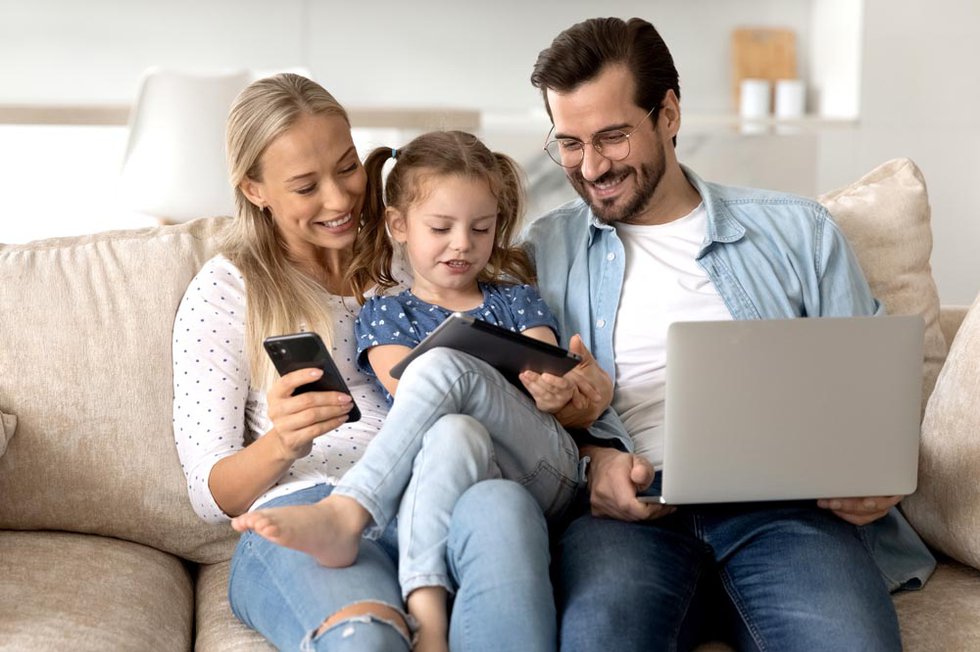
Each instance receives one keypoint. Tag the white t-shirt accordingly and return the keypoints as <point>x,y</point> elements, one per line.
<point>663,283</point>
<point>215,404</point>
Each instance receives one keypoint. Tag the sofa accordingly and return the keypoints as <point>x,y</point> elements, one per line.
<point>99,546</point>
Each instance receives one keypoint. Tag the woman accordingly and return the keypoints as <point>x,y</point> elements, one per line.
<point>299,192</point>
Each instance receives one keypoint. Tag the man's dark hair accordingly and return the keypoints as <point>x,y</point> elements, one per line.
<point>578,54</point>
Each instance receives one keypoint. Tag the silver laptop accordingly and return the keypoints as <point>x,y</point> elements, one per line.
<point>792,409</point>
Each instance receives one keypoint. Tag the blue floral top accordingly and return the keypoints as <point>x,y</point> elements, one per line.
<point>406,320</point>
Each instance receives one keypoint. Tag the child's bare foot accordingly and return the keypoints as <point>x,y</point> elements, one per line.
<point>428,641</point>
<point>329,531</point>
<point>428,606</point>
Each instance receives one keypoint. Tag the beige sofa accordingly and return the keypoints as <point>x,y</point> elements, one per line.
<point>99,547</point>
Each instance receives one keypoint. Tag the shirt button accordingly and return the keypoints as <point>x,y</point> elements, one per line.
<point>610,256</point>
<point>600,323</point>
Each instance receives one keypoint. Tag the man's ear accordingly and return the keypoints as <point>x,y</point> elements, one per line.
<point>395,221</point>
<point>253,191</point>
<point>669,115</point>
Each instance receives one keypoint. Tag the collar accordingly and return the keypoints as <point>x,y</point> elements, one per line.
<point>722,225</point>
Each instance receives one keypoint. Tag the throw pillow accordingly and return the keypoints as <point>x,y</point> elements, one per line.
<point>885,217</point>
<point>8,423</point>
<point>945,509</point>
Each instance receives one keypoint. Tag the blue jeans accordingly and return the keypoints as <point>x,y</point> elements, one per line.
<point>456,421</point>
<point>498,559</point>
<point>792,577</point>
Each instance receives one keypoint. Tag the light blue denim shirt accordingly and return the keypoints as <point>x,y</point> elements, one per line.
<point>770,255</point>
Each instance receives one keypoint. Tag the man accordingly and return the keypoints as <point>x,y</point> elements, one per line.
<point>650,243</point>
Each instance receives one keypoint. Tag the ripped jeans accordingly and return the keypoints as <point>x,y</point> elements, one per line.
<point>497,553</point>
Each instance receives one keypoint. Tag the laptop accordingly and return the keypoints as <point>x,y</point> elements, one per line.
<point>789,409</point>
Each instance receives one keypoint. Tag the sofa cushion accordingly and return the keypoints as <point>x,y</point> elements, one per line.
<point>61,591</point>
<point>86,362</point>
<point>8,424</point>
<point>217,628</point>
<point>945,509</point>
<point>943,615</point>
<point>885,217</point>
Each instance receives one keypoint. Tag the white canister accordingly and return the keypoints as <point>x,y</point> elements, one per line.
<point>754,98</point>
<point>790,98</point>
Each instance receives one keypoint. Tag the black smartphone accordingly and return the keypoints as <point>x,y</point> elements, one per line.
<point>305,351</point>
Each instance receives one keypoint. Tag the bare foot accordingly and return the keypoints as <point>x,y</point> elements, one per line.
<point>329,531</point>
<point>428,606</point>
<point>428,641</point>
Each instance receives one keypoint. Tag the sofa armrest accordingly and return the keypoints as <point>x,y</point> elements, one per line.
<point>950,318</point>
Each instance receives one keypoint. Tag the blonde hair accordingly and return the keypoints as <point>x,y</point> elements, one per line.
<point>432,155</point>
<point>280,297</point>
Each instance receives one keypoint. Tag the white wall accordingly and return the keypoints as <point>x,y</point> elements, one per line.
<point>62,51</point>
<point>836,29</point>
<point>919,99</point>
<point>387,52</point>
<point>912,62</point>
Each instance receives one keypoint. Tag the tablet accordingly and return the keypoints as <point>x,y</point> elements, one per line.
<point>509,352</point>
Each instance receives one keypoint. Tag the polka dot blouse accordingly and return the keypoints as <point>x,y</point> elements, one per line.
<point>215,408</point>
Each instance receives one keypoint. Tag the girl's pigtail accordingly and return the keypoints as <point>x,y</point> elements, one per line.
<point>373,251</point>
<point>509,262</point>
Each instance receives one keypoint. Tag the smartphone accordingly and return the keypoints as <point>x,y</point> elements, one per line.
<point>304,351</point>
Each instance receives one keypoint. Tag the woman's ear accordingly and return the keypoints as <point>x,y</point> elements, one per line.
<point>253,191</point>
<point>395,223</point>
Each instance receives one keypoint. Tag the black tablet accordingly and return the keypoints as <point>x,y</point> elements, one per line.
<point>509,352</point>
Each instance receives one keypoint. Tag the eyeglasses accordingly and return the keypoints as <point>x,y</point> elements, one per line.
<point>613,145</point>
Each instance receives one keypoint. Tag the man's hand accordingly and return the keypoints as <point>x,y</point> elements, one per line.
<point>614,479</point>
<point>860,511</point>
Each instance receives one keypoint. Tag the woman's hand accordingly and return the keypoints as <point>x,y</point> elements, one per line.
<point>860,511</point>
<point>298,420</point>
<point>238,480</point>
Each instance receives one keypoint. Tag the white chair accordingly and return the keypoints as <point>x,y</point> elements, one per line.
<point>174,167</point>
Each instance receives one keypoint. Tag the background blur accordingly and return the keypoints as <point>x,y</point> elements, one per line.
<point>883,79</point>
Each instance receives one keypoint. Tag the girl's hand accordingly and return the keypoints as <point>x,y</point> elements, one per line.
<point>593,385</point>
<point>298,420</point>
<point>550,393</point>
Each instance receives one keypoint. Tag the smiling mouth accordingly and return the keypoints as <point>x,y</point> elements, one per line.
<point>457,264</point>
<point>340,221</point>
<point>608,181</point>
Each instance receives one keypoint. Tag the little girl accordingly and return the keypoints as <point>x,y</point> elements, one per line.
<point>455,207</point>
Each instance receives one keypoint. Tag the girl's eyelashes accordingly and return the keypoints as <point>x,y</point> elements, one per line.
<point>305,190</point>
<point>439,229</point>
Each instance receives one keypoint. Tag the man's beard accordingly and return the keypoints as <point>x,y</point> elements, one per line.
<point>647,177</point>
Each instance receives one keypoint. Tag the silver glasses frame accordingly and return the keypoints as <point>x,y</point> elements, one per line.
<point>594,141</point>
